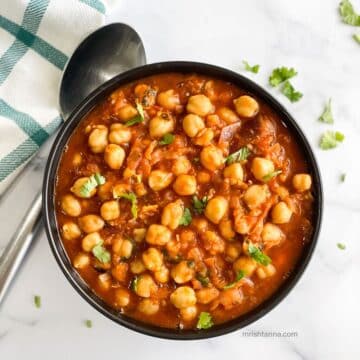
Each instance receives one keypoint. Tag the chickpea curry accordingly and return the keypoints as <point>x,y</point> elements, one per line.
<point>183,201</point>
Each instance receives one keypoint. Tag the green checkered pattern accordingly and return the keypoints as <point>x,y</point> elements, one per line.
<point>36,39</point>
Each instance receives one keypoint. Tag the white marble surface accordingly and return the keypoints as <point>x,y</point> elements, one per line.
<point>324,307</point>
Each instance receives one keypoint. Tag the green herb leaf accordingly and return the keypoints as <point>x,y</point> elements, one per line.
<point>258,255</point>
<point>139,118</point>
<point>356,37</point>
<point>331,139</point>
<point>289,91</point>
<point>254,69</point>
<point>191,264</point>
<point>205,321</point>
<point>93,181</point>
<point>348,14</point>
<point>37,301</point>
<point>342,177</point>
<point>271,175</point>
<point>101,253</point>
<point>167,139</point>
<point>241,155</point>
<point>238,277</point>
<point>199,205</point>
<point>88,324</point>
<point>341,246</point>
<point>327,116</point>
<point>186,218</point>
<point>133,199</point>
<point>134,283</point>
<point>280,75</point>
<point>204,280</point>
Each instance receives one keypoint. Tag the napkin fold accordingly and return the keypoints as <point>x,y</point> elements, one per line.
<point>36,39</point>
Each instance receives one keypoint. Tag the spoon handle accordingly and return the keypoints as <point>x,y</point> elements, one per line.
<point>15,251</point>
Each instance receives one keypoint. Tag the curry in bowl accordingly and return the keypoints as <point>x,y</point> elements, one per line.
<point>183,201</point>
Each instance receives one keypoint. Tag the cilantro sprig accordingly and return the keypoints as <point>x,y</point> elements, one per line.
<point>139,118</point>
<point>93,181</point>
<point>167,139</point>
<point>289,91</point>
<point>240,155</point>
<point>348,14</point>
<point>132,198</point>
<point>271,175</point>
<point>37,301</point>
<point>281,74</point>
<point>238,277</point>
<point>199,205</point>
<point>258,255</point>
<point>254,69</point>
<point>331,139</point>
<point>100,252</point>
<point>327,116</point>
<point>205,321</point>
<point>186,218</point>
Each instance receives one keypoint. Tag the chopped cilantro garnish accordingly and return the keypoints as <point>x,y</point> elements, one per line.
<point>342,177</point>
<point>341,246</point>
<point>289,91</point>
<point>205,321</point>
<point>271,175</point>
<point>348,14</point>
<point>134,283</point>
<point>258,255</point>
<point>191,264</point>
<point>331,139</point>
<point>238,277</point>
<point>204,280</point>
<point>254,69</point>
<point>133,199</point>
<point>239,155</point>
<point>100,252</point>
<point>37,301</point>
<point>199,205</point>
<point>93,181</point>
<point>88,323</point>
<point>327,116</point>
<point>138,118</point>
<point>167,139</point>
<point>186,218</point>
<point>280,75</point>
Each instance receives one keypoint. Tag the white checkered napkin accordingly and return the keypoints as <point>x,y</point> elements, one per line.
<point>36,39</point>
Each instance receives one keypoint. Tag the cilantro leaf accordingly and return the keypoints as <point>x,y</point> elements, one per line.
<point>240,155</point>
<point>204,280</point>
<point>254,69</point>
<point>258,255</point>
<point>280,75</point>
<point>167,139</point>
<point>186,218</point>
<point>134,283</point>
<point>238,277</point>
<point>341,246</point>
<point>199,205</point>
<point>356,37</point>
<point>327,116</point>
<point>289,91</point>
<point>101,253</point>
<point>93,181</point>
<point>88,323</point>
<point>348,14</point>
<point>271,175</point>
<point>331,139</point>
<point>133,199</point>
<point>139,118</point>
<point>342,177</point>
<point>205,321</point>
<point>37,301</point>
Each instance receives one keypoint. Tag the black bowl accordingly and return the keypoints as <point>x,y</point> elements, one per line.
<point>49,209</point>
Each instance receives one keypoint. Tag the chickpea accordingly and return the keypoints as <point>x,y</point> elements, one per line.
<point>125,249</point>
<point>192,124</point>
<point>97,140</point>
<point>246,264</point>
<point>181,165</point>
<point>81,261</point>
<point>159,126</point>
<point>182,272</point>
<point>203,177</point>
<point>104,281</point>
<point>266,271</point>
<point>162,275</point>
<point>211,157</point>
<point>159,179</point>
<point>183,297</point>
<point>227,115</point>
<point>91,223</point>
<point>172,214</point>
<point>216,209</point>
<point>246,106</point>
<point>120,271</point>
<point>199,105</point>
<point>91,240</point>
<point>114,156</point>
<point>226,229</point>
<point>207,295</point>
<point>302,182</point>
<point>149,306</point>
<point>77,187</point>
<point>139,234</point>
<point>243,225</point>
<point>77,159</point>
<point>200,224</point>
<point>70,205</point>
<point>152,259</point>
<point>189,313</point>
<point>234,172</point>
<point>137,266</point>
<point>271,234</point>
<point>213,243</point>
<point>281,213</point>
<point>145,286</point>
<point>122,297</point>
<point>119,134</point>
<point>126,112</point>
<point>185,185</point>
<point>110,210</point>
<point>204,137</point>
<point>168,99</point>
<point>158,235</point>
<point>232,251</point>
<point>255,195</point>
<point>70,231</point>
<point>260,167</point>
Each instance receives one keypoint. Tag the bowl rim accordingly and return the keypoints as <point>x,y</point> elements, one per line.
<point>52,231</point>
